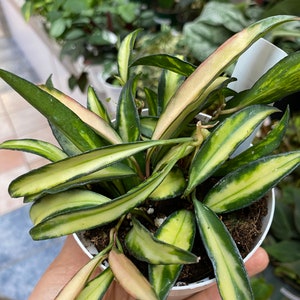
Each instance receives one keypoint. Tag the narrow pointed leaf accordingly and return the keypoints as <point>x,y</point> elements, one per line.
<point>228,135</point>
<point>77,131</point>
<point>144,246</point>
<point>262,148</point>
<point>178,230</point>
<point>41,148</point>
<point>124,55</point>
<point>97,287</point>
<point>93,217</point>
<point>127,119</point>
<point>57,173</point>
<point>168,84</point>
<point>115,171</point>
<point>100,126</point>
<point>75,285</point>
<point>69,201</point>
<point>151,98</point>
<point>65,141</point>
<point>167,62</point>
<point>277,83</point>
<point>229,269</point>
<point>129,277</point>
<point>247,184</point>
<point>147,126</point>
<point>95,105</point>
<point>188,96</point>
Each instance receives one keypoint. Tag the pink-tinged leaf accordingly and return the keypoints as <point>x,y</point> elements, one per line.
<point>190,95</point>
<point>99,125</point>
<point>129,277</point>
<point>76,284</point>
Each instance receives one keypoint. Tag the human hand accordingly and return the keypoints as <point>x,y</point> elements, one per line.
<point>71,259</point>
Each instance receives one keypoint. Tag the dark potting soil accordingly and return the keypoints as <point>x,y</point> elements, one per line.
<point>244,225</point>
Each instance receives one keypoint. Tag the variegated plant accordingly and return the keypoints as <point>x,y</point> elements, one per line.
<point>108,172</point>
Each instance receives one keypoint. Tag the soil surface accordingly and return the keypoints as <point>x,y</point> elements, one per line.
<point>244,225</point>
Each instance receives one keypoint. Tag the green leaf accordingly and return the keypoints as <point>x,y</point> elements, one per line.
<point>289,271</point>
<point>100,126</point>
<point>105,213</point>
<point>167,62</point>
<point>65,202</point>
<point>284,222</point>
<point>151,98</point>
<point>297,208</point>
<point>64,141</point>
<point>52,175</point>
<point>172,186</point>
<point>115,171</point>
<point>279,251</point>
<point>81,135</point>
<point>189,96</point>
<point>249,183</point>
<point>129,277</point>
<point>96,106</point>
<point>102,37</point>
<point>168,84</point>
<point>261,288</point>
<point>144,246</point>
<point>229,269</point>
<point>97,287</point>
<point>228,135</point>
<point>260,149</point>
<point>127,119</point>
<point>278,82</point>
<point>124,55</point>
<point>148,125</point>
<point>37,147</point>
<point>282,7</point>
<point>179,230</point>
<point>58,27</point>
<point>74,286</point>
<point>27,10</point>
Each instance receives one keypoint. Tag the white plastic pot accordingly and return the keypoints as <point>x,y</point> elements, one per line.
<point>181,292</point>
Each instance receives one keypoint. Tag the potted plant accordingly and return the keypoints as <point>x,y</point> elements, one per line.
<point>158,187</point>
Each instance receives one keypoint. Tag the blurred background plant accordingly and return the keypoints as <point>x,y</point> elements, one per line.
<point>221,19</point>
<point>89,31</point>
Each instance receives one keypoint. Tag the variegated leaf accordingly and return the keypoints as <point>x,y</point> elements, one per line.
<point>52,175</point>
<point>89,218</point>
<point>129,277</point>
<point>64,202</point>
<point>95,105</point>
<point>81,135</point>
<point>278,82</point>
<point>260,149</point>
<point>233,282</point>
<point>96,288</point>
<point>75,285</point>
<point>189,96</point>
<point>227,136</point>
<point>41,148</point>
<point>144,246</point>
<point>247,184</point>
<point>179,230</point>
